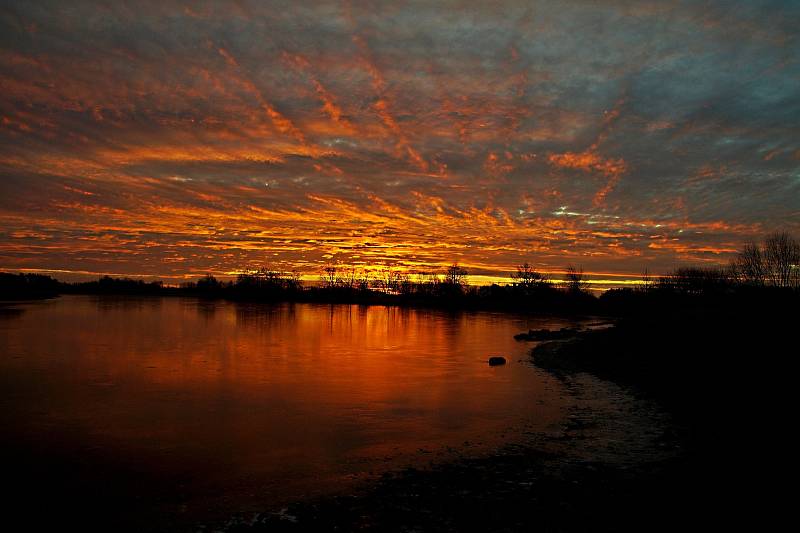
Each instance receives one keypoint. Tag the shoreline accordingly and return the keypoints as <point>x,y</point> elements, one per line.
<point>648,446</point>
<point>614,452</point>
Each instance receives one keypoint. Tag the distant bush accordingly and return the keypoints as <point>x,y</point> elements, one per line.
<point>696,280</point>
<point>267,282</point>
<point>109,285</point>
<point>13,286</point>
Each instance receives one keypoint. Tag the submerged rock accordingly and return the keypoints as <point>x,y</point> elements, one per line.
<point>547,334</point>
<point>496,360</point>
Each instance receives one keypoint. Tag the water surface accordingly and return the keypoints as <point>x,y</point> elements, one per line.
<point>154,411</point>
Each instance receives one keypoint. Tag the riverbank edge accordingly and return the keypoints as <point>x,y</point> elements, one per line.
<point>519,487</point>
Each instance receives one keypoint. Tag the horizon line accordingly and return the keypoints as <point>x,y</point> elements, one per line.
<point>607,279</point>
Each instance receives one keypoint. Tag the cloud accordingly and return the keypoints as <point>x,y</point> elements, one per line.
<point>174,141</point>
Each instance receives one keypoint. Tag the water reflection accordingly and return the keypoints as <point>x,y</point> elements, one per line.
<point>224,406</point>
<point>10,312</point>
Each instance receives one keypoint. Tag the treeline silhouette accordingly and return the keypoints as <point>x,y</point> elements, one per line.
<point>769,269</point>
<point>449,288</point>
<point>32,286</point>
<point>528,290</point>
<point>15,286</point>
<point>109,285</point>
<point>710,344</point>
<point>766,273</point>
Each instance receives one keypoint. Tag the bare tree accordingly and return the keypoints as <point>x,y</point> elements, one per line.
<point>574,279</point>
<point>383,280</point>
<point>781,258</point>
<point>399,282</point>
<point>364,280</point>
<point>388,280</point>
<point>647,280</point>
<point>328,277</point>
<point>403,283</point>
<point>749,266</point>
<point>293,281</point>
<point>529,278</point>
<point>347,278</point>
<point>455,275</point>
<point>695,280</point>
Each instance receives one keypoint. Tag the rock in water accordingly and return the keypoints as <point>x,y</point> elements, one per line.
<point>496,360</point>
<point>547,335</point>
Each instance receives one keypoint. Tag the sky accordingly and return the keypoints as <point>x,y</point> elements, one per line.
<point>174,139</point>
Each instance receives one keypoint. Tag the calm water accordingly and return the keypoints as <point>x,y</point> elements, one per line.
<point>148,411</point>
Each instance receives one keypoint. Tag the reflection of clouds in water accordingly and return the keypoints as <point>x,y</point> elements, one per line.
<point>126,303</point>
<point>10,312</point>
<point>377,373</point>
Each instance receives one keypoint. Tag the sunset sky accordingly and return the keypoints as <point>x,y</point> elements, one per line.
<point>174,139</point>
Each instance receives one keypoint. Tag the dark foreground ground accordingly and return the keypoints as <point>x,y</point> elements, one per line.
<point>686,431</point>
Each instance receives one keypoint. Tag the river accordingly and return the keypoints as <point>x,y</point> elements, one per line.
<point>144,411</point>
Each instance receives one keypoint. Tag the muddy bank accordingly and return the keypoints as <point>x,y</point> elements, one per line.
<point>702,368</point>
<point>724,381</point>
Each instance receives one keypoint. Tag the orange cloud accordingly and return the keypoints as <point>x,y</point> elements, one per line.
<point>590,161</point>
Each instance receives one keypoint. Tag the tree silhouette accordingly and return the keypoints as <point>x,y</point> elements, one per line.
<point>749,266</point>
<point>574,279</point>
<point>528,279</point>
<point>455,275</point>
<point>782,259</point>
<point>775,263</point>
